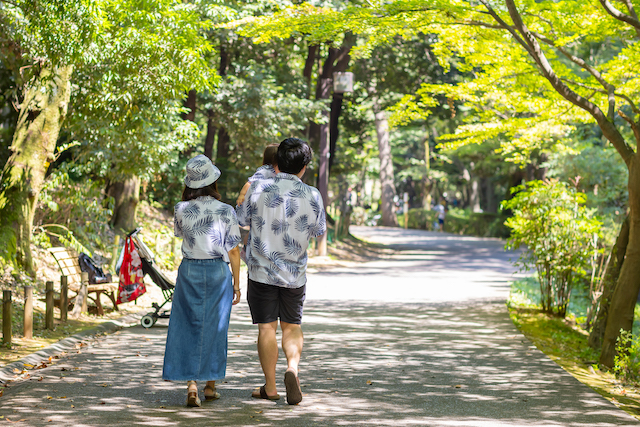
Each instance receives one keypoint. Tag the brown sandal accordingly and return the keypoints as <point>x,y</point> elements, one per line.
<point>292,383</point>
<point>261,393</point>
<point>193,400</point>
<point>213,396</point>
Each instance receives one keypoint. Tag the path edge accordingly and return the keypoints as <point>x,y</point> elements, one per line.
<point>7,372</point>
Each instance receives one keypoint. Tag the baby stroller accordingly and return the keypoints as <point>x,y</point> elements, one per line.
<point>149,268</point>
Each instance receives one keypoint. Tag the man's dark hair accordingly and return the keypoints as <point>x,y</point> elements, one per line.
<point>194,193</point>
<point>293,155</point>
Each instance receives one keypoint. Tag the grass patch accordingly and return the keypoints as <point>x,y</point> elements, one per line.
<point>565,342</point>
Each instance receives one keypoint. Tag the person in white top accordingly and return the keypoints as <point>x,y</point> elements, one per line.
<point>196,348</point>
<point>284,214</point>
<point>440,208</point>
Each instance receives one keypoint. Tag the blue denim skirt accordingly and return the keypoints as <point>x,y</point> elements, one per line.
<point>196,346</point>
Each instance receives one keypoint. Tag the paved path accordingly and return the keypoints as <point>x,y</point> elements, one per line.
<point>420,339</point>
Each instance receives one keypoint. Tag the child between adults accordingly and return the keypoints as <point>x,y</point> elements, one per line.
<point>266,171</point>
<point>196,348</point>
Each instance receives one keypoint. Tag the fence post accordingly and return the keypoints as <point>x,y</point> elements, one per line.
<point>49,302</point>
<point>6,317</point>
<point>64,298</point>
<point>28,313</point>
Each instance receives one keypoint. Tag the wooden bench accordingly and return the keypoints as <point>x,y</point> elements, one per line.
<point>69,266</point>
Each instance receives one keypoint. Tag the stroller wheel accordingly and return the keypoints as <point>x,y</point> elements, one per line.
<point>148,320</point>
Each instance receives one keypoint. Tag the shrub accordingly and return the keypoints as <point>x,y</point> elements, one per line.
<point>627,361</point>
<point>459,221</point>
<point>558,233</point>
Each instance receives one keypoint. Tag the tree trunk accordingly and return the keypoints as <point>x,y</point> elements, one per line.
<point>341,66</point>
<point>474,192</point>
<point>42,112</point>
<point>211,135</point>
<point>127,196</point>
<point>386,171</point>
<point>426,181</point>
<point>609,285</point>
<point>490,194</point>
<point>624,297</point>
<point>190,103</point>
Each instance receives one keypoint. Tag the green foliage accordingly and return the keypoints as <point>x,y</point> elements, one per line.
<point>73,212</point>
<point>599,172</point>
<point>464,221</point>
<point>627,360</point>
<point>558,234</point>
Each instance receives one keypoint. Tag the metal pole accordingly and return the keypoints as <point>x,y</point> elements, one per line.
<point>64,298</point>
<point>49,309</point>
<point>323,161</point>
<point>28,313</point>
<point>6,317</point>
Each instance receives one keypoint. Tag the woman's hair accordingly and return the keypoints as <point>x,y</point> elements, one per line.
<point>194,193</point>
<point>270,155</point>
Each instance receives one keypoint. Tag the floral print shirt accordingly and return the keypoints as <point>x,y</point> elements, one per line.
<point>208,227</point>
<point>284,214</point>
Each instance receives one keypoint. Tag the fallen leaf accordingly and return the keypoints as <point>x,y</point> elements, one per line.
<point>40,379</point>
<point>49,397</point>
<point>258,412</point>
<point>369,382</point>
<point>28,365</point>
<point>62,397</point>
<point>103,403</point>
<point>458,386</point>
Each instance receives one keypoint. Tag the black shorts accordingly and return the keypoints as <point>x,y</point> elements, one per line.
<point>269,303</point>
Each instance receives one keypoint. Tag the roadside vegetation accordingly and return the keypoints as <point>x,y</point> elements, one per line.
<point>565,341</point>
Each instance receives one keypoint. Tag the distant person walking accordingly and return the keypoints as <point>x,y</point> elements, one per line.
<point>442,213</point>
<point>284,214</point>
<point>196,348</point>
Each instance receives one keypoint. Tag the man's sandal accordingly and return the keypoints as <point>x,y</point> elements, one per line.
<point>292,383</point>
<point>211,396</point>
<point>261,393</point>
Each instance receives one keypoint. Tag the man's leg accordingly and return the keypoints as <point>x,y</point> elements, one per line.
<point>292,340</point>
<point>268,354</point>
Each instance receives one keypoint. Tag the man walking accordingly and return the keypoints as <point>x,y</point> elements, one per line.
<point>284,215</point>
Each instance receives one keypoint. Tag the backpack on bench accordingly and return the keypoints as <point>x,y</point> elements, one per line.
<point>88,265</point>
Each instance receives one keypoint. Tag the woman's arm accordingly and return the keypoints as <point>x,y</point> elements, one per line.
<point>234,259</point>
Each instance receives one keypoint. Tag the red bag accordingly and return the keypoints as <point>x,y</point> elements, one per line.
<point>131,275</point>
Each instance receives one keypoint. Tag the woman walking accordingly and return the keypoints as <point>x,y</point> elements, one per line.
<point>196,348</point>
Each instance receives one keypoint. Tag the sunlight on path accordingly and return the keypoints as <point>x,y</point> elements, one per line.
<point>428,267</point>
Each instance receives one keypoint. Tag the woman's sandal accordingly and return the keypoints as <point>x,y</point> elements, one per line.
<point>261,393</point>
<point>213,396</point>
<point>193,400</point>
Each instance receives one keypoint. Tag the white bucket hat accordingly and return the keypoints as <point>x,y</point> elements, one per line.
<point>201,172</point>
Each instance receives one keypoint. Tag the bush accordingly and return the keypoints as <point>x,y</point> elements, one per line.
<point>627,361</point>
<point>559,235</point>
<point>459,221</point>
